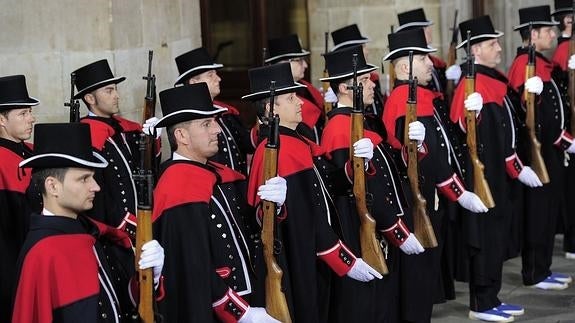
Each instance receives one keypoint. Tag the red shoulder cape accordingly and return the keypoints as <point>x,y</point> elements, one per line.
<point>337,134</point>
<point>516,76</point>
<point>231,109</point>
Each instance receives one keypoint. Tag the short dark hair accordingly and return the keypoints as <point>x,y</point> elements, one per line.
<point>335,84</point>
<point>524,32</point>
<point>39,177</point>
<point>171,137</point>
<point>5,113</point>
<point>561,19</point>
<point>261,108</point>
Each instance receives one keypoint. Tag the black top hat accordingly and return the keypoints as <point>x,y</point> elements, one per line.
<point>539,16</point>
<point>261,77</point>
<point>400,44</point>
<point>481,29</point>
<point>562,7</point>
<point>284,48</point>
<point>411,19</point>
<point>94,76</point>
<point>346,36</point>
<point>13,93</point>
<point>340,64</point>
<point>61,145</point>
<point>193,63</point>
<point>185,103</point>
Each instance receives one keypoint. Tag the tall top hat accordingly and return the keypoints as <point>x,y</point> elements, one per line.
<point>13,93</point>
<point>61,145</point>
<point>185,103</point>
<point>562,7</point>
<point>340,64</point>
<point>400,44</point>
<point>261,77</point>
<point>94,76</point>
<point>284,48</point>
<point>481,29</point>
<point>193,63</point>
<point>346,36</point>
<point>538,16</point>
<point>412,19</point>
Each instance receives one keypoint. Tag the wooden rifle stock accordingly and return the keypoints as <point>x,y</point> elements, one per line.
<point>276,304</point>
<point>370,249</point>
<point>422,227</point>
<point>480,185</point>
<point>144,180</point>
<point>537,161</point>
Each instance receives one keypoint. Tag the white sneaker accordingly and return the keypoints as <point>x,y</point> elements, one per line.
<point>550,284</point>
<point>570,255</point>
<point>564,278</point>
<point>492,315</point>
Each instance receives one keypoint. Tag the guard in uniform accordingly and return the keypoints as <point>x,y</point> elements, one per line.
<point>72,267</point>
<point>305,228</point>
<point>117,139</point>
<point>385,191</point>
<point>288,49</point>
<point>16,122</point>
<point>197,217</point>
<point>555,141</point>
<point>234,142</point>
<point>418,287</point>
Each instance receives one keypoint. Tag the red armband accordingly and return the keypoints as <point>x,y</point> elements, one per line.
<point>339,258</point>
<point>397,233</point>
<point>452,188</point>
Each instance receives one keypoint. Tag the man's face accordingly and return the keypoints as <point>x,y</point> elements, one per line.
<point>422,68</point>
<point>75,194</point>
<point>104,101</point>
<point>567,20</point>
<point>288,107</point>
<point>487,52</point>
<point>17,124</point>
<point>298,66</point>
<point>368,86</point>
<point>198,139</point>
<point>543,37</point>
<point>211,78</point>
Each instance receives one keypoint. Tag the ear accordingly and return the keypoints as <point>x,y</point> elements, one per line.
<point>181,136</point>
<point>90,98</point>
<point>342,88</point>
<point>51,184</point>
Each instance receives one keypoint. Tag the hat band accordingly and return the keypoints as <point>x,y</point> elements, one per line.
<point>191,111</point>
<point>496,35</point>
<point>350,42</point>
<point>414,24</point>
<point>201,67</point>
<point>349,74</point>
<point>402,49</point>
<point>95,85</point>
<point>302,53</point>
<point>103,163</point>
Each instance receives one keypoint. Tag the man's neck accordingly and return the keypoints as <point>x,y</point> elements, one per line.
<point>4,135</point>
<point>51,209</point>
<point>182,155</point>
<point>92,114</point>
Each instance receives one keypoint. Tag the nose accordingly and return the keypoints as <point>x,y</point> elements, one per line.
<point>216,127</point>
<point>95,186</point>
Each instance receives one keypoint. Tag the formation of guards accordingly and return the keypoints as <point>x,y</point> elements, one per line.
<point>357,205</point>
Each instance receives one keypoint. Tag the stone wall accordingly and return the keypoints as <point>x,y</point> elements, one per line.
<point>47,40</point>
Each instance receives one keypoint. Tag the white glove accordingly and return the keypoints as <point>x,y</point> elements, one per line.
<point>528,177</point>
<point>148,127</point>
<point>474,102</point>
<point>571,62</point>
<point>152,256</point>
<point>472,202</point>
<point>363,148</point>
<point>362,271</point>
<point>330,96</point>
<point>416,131</point>
<point>453,73</point>
<point>274,190</point>
<point>411,245</point>
<point>257,315</point>
<point>534,85</point>
<point>571,149</point>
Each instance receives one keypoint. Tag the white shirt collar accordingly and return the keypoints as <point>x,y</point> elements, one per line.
<point>46,212</point>
<point>176,156</point>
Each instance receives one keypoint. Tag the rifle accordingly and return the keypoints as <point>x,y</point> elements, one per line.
<point>73,104</point>
<point>391,72</point>
<point>423,229</point>
<point>571,89</point>
<point>537,161</point>
<point>370,249</point>
<point>480,185</point>
<point>327,106</point>
<point>276,304</point>
<point>451,58</point>
<point>144,179</point>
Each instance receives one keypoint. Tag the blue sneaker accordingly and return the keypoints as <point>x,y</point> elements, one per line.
<point>550,284</point>
<point>561,277</point>
<point>492,315</point>
<point>511,309</point>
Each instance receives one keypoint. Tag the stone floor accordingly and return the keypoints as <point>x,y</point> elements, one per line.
<point>540,306</point>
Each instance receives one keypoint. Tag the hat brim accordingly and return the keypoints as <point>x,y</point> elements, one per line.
<point>266,94</point>
<point>350,42</point>
<point>187,115</point>
<point>562,11</point>
<point>274,59</point>
<point>404,51</point>
<point>55,160</point>
<point>365,69</point>
<point>98,85</point>
<point>486,36</point>
<point>536,24</point>
<point>195,71</point>
<point>413,25</point>
<point>30,102</point>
